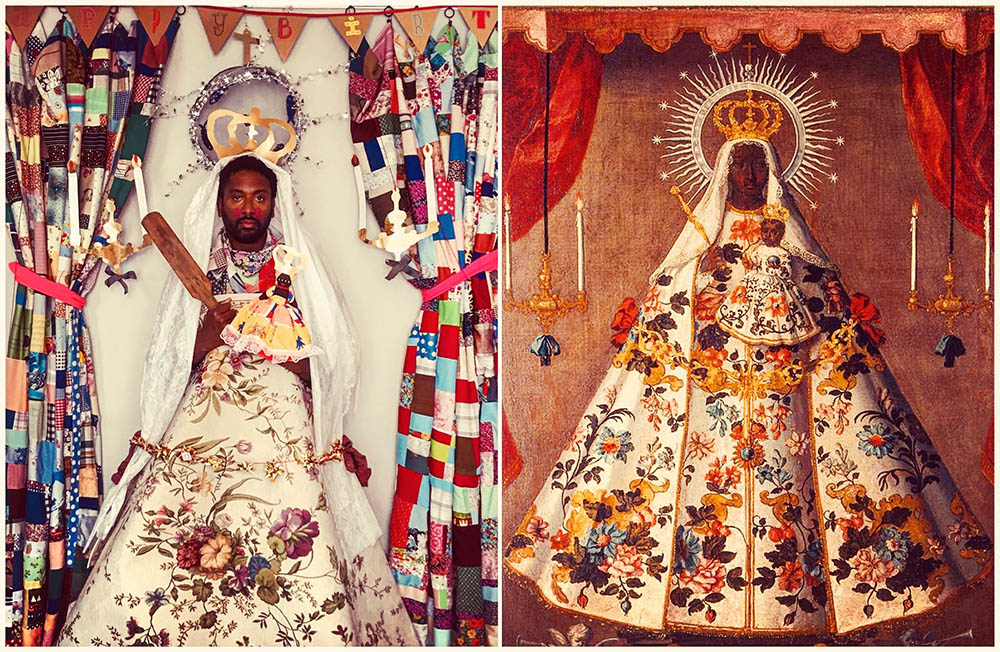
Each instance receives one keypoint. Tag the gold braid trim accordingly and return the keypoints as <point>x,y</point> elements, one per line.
<point>272,468</point>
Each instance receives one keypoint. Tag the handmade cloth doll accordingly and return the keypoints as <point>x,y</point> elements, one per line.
<point>767,307</point>
<point>272,324</point>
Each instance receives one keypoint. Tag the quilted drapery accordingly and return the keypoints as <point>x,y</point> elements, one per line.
<point>69,105</point>
<point>408,107</point>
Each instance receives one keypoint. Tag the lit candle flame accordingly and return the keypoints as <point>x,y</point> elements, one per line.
<point>916,207</point>
<point>136,161</point>
<point>579,202</point>
<point>988,209</point>
<point>506,201</point>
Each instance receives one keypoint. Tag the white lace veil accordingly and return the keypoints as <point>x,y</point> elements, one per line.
<point>711,211</point>
<point>333,367</point>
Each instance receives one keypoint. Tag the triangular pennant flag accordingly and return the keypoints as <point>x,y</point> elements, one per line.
<point>219,24</point>
<point>155,20</point>
<point>21,21</point>
<point>352,27</point>
<point>285,31</point>
<point>418,24</point>
<point>481,20</point>
<point>87,20</point>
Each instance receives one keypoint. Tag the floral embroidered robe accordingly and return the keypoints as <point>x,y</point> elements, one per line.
<point>226,537</point>
<point>721,487</point>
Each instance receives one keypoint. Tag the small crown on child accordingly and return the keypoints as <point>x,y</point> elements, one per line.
<point>288,260</point>
<point>776,212</point>
<point>749,126</point>
<point>264,148</point>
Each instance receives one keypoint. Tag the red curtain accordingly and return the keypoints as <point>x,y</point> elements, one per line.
<point>575,72</point>
<point>926,72</point>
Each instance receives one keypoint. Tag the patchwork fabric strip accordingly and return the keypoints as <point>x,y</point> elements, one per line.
<point>406,106</point>
<point>64,109</point>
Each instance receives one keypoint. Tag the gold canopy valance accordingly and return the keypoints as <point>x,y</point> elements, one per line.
<point>966,29</point>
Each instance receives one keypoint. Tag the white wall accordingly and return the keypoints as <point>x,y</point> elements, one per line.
<point>383,311</point>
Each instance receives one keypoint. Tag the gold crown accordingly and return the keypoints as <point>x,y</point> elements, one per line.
<point>264,148</point>
<point>750,126</point>
<point>776,212</point>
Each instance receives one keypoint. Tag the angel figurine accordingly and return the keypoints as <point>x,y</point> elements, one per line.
<point>272,324</point>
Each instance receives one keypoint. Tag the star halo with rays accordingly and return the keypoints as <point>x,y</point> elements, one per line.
<point>810,114</point>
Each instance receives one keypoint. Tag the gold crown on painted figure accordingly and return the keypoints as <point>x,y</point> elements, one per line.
<point>257,125</point>
<point>776,212</point>
<point>748,125</point>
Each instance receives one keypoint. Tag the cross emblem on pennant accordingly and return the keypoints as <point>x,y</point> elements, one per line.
<point>248,40</point>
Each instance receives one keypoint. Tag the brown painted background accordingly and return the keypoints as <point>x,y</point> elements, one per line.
<point>862,222</point>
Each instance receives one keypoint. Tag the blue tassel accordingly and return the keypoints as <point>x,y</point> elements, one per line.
<point>950,347</point>
<point>545,346</point>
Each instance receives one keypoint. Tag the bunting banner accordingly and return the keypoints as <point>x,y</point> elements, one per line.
<point>88,21</point>
<point>21,21</point>
<point>481,21</point>
<point>352,27</point>
<point>219,25</point>
<point>155,20</point>
<point>285,30</point>
<point>418,25</point>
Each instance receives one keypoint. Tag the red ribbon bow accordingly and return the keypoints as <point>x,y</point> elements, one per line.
<point>865,312</point>
<point>355,462</point>
<point>623,320</point>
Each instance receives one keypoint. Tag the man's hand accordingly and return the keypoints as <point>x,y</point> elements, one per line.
<point>209,336</point>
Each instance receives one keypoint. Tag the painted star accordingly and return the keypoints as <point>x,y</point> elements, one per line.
<point>833,178</point>
<point>814,74</point>
<point>833,104</point>
<point>664,106</point>
<point>657,140</point>
<point>663,176</point>
<point>713,54</point>
<point>684,74</point>
<point>813,205</point>
<point>840,140</point>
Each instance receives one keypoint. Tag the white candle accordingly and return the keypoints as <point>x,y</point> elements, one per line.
<point>913,245</point>
<point>506,242</point>
<point>360,185</point>
<point>74,206</point>
<point>579,243</point>
<point>431,187</point>
<point>986,229</point>
<point>140,187</point>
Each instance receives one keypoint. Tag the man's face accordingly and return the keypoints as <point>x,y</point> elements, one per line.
<point>748,171</point>
<point>246,207</point>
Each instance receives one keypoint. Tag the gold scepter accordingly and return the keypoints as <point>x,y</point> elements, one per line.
<point>676,192</point>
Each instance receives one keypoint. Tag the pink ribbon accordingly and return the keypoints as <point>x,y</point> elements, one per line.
<point>482,264</point>
<point>29,279</point>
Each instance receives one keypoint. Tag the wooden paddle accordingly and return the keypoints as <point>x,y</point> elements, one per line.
<point>188,271</point>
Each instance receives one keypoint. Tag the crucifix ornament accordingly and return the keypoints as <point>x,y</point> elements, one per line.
<point>248,39</point>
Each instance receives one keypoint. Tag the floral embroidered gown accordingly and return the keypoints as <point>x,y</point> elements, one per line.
<point>719,486</point>
<point>226,539</point>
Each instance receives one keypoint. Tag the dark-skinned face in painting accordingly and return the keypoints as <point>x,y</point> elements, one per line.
<point>771,232</point>
<point>747,176</point>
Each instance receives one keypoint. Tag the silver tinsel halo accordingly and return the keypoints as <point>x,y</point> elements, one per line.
<point>235,76</point>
